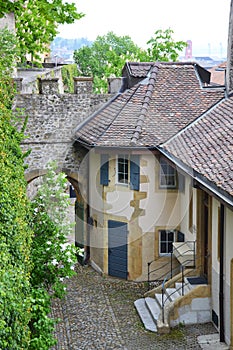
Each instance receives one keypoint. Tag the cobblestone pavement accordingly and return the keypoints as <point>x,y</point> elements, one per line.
<point>98,313</point>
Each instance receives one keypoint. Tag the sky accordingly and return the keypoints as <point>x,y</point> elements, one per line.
<point>204,22</point>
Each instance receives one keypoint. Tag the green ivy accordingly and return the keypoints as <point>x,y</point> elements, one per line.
<point>15,233</point>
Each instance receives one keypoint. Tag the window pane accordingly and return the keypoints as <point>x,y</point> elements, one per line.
<point>169,248</point>
<point>163,247</point>
<point>163,235</point>
<point>122,169</point>
<point>170,236</point>
<point>167,174</point>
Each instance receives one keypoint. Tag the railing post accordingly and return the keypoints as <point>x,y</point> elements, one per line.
<point>163,303</point>
<point>194,252</point>
<point>171,265</point>
<point>148,275</point>
<point>182,270</point>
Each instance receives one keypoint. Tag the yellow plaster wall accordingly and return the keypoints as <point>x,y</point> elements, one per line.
<point>143,210</point>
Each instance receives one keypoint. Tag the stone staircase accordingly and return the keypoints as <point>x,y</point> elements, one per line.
<point>150,308</point>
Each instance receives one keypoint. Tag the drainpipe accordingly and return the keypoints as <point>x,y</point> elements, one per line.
<point>221,280</point>
<point>88,222</point>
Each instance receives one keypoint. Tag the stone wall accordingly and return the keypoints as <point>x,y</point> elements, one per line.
<point>52,121</point>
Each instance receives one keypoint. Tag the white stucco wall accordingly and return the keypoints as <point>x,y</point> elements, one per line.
<point>161,206</point>
<point>228,303</point>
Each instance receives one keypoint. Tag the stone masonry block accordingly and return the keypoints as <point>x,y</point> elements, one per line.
<point>200,304</point>
<point>203,316</point>
<point>188,318</point>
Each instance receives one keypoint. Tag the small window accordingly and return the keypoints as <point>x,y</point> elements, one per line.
<point>166,238</point>
<point>72,192</point>
<point>123,169</point>
<point>167,175</point>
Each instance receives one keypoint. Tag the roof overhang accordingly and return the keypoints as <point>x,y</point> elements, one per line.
<point>200,180</point>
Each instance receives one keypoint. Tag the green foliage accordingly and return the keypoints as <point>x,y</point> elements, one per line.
<point>52,255</point>
<point>163,47</point>
<point>41,325</point>
<point>68,72</point>
<point>37,22</point>
<point>107,55</point>
<point>15,234</point>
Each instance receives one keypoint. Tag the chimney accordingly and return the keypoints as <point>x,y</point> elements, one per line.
<point>116,85</point>
<point>48,86</point>
<point>83,85</point>
<point>229,71</point>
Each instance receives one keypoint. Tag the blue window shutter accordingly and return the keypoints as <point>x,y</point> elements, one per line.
<point>134,172</point>
<point>104,169</point>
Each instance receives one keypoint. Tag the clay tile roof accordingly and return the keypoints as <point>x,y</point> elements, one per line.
<point>207,145</point>
<point>139,70</point>
<point>218,74</point>
<point>151,111</point>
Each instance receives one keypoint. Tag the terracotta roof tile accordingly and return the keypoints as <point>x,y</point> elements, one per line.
<point>139,70</point>
<point>151,111</point>
<point>207,145</point>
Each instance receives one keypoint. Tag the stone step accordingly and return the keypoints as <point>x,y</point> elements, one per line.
<point>158,298</point>
<point>153,308</point>
<point>172,294</point>
<point>195,281</point>
<point>145,315</point>
<point>179,288</point>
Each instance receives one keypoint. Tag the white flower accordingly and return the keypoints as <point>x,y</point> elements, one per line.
<point>64,246</point>
<point>72,267</point>
<point>69,260</point>
<point>61,279</point>
<point>48,242</point>
<point>54,262</point>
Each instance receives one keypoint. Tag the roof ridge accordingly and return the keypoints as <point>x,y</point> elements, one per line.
<point>145,105</point>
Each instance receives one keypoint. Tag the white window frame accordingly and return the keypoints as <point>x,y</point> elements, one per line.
<point>167,241</point>
<point>165,175</point>
<point>126,179</point>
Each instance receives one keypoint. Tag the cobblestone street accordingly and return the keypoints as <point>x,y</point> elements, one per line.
<point>98,313</point>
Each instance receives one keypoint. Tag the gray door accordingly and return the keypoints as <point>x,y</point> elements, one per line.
<point>117,249</point>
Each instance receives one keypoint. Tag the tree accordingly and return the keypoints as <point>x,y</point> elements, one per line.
<point>15,233</point>
<point>163,47</point>
<point>37,22</point>
<point>107,55</point>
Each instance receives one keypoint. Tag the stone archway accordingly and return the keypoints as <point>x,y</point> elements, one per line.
<point>78,204</point>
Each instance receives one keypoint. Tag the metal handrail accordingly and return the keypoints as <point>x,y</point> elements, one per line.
<point>183,284</point>
<point>185,263</point>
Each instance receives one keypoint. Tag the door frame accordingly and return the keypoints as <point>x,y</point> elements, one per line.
<point>204,233</point>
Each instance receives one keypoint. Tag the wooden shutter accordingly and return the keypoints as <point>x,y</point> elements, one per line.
<point>134,172</point>
<point>104,169</point>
